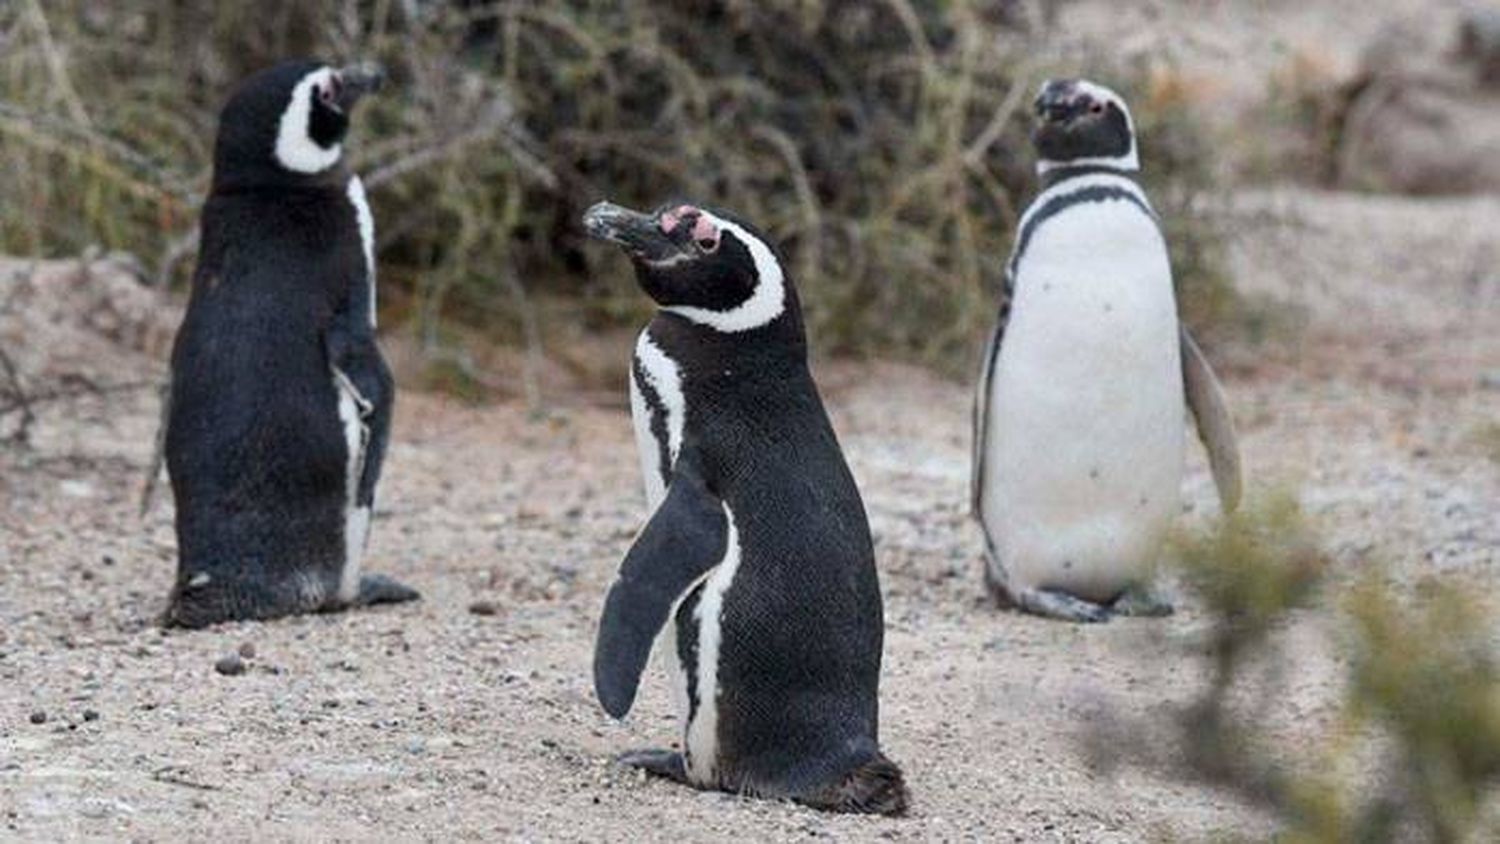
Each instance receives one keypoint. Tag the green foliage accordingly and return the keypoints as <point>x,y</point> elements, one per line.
<point>883,145</point>
<point>1426,671</point>
<point>1414,753</point>
<point>1261,562</point>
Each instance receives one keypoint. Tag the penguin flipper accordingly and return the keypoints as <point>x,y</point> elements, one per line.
<point>357,364</point>
<point>684,539</point>
<point>1205,397</point>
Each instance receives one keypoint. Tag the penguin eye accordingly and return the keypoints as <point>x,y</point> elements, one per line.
<point>708,244</point>
<point>328,94</point>
<point>1097,108</point>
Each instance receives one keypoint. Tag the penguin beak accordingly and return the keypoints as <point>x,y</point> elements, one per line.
<point>639,234</point>
<point>357,80</point>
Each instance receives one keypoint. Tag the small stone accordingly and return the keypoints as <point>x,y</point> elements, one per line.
<point>483,608</point>
<point>230,665</point>
<point>90,715</point>
<point>247,650</point>
<point>39,717</point>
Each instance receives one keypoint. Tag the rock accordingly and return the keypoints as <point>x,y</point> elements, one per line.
<point>39,717</point>
<point>247,650</point>
<point>230,665</point>
<point>483,608</point>
<point>90,715</point>
<point>1420,120</point>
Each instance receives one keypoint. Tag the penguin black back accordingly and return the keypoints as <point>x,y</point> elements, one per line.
<point>280,400</point>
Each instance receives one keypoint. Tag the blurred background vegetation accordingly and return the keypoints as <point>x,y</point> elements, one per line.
<point>882,144</point>
<point>1410,748</point>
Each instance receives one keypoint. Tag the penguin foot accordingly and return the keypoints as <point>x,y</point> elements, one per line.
<point>1050,603</point>
<point>1142,602</point>
<point>874,788</point>
<point>379,589</point>
<point>668,764</point>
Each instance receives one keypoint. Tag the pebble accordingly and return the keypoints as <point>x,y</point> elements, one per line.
<point>90,715</point>
<point>230,665</point>
<point>39,717</point>
<point>483,608</point>
<point>247,650</point>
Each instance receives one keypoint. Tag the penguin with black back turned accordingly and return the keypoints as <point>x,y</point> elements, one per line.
<point>756,566</point>
<point>1078,418</point>
<point>280,402</point>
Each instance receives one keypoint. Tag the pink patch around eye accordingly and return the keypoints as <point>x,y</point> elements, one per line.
<point>671,219</point>
<point>704,231</point>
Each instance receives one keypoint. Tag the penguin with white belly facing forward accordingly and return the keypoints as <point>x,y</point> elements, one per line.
<point>1079,435</point>
<point>756,567</point>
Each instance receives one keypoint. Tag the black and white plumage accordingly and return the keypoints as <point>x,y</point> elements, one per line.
<point>756,567</point>
<point>280,401</point>
<point>1078,431</point>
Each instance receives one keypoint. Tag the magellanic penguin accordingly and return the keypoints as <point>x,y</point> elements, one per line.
<point>757,559</point>
<point>1078,418</point>
<point>280,401</point>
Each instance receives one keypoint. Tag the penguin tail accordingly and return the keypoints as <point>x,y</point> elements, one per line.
<point>875,788</point>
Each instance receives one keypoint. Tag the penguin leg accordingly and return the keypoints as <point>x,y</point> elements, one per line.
<point>1142,601</point>
<point>379,589</point>
<point>667,764</point>
<point>1048,603</point>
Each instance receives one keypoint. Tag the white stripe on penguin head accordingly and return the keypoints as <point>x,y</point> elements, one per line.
<point>295,148</point>
<point>1130,161</point>
<point>766,302</point>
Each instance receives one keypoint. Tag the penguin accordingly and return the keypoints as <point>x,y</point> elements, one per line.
<point>755,569</point>
<point>1078,417</point>
<point>280,401</point>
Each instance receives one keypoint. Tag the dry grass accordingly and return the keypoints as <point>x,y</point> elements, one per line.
<point>881,144</point>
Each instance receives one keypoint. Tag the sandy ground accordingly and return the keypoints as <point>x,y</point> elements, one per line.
<point>430,720</point>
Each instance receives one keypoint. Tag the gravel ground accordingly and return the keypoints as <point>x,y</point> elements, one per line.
<point>470,714</point>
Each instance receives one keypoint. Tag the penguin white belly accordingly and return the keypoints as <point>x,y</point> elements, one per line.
<point>657,409</point>
<point>352,410</point>
<point>656,393</point>
<point>646,446</point>
<point>701,733</point>
<point>1084,450</point>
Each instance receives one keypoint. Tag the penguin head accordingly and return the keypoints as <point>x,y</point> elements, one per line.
<point>704,265</point>
<point>1083,124</point>
<point>286,124</point>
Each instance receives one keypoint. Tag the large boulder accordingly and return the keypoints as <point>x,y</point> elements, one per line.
<point>1423,115</point>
